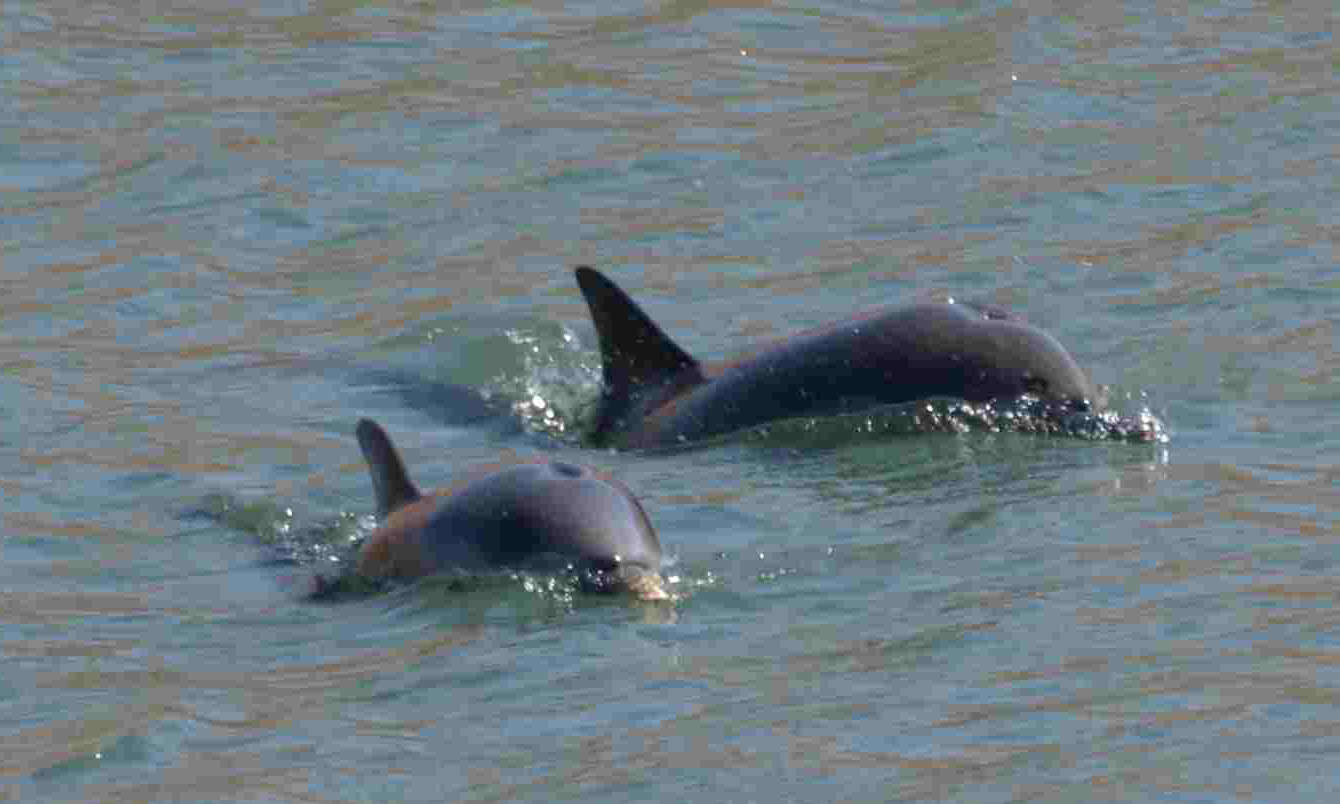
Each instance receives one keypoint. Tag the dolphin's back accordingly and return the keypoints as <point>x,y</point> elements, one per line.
<point>655,394</point>
<point>911,353</point>
<point>542,515</point>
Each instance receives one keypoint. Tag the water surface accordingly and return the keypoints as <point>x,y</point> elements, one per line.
<point>226,233</point>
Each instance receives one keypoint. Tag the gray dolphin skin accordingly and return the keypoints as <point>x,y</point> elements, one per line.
<point>656,395</point>
<point>541,516</point>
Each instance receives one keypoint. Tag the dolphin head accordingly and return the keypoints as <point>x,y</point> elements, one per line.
<point>552,515</point>
<point>1013,358</point>
<point>547,515</point>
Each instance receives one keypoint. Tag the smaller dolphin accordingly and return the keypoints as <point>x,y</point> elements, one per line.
<point>543,516</point>
<point>655,394</point>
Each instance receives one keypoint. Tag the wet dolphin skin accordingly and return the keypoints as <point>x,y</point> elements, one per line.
<point>655,394</point>
<point>548,515</point>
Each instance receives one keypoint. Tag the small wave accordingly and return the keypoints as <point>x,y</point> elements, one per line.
<point>322,553</point>
<point>556,391</point>
<point>1023,415</point>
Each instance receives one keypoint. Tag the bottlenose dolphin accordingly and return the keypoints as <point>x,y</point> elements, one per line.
<point>544,516</point>
<point>655,394</point>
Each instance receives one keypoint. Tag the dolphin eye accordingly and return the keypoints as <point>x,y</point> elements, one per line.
<point>603,564</point>
<point>1035,385</point>
<point>566,469</point>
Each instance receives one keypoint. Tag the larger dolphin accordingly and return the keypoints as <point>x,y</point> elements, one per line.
<point>543,516</point>
<point>655,394</point>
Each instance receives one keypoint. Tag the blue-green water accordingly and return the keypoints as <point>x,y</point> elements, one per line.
<point>226,233</point>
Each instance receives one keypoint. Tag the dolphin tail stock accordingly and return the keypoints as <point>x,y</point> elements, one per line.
<point>634,353</point>
<point>390,481</point>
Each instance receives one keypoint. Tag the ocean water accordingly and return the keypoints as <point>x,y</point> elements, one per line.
<point>227,232</point>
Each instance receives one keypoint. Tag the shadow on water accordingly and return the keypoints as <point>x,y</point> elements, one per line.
<point>452,404</point>
<point>511,378</point>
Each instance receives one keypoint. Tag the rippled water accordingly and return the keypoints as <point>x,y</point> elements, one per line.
<point>228,232</point>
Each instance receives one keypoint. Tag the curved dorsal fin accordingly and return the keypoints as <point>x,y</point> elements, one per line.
<point>389,479</point>
<point>634,352</point>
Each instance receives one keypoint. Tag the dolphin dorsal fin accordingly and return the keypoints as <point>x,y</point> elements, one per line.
<point>634,352</point>
<point>389,479</point>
